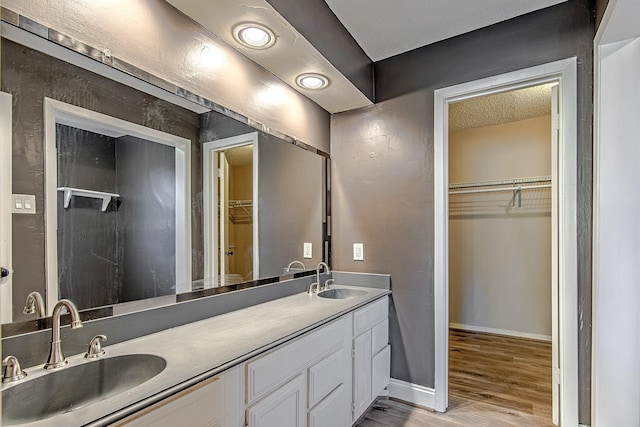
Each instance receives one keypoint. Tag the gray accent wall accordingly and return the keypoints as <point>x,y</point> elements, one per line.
<point>88,267</point>
<point>382,189</point>
<point>289,209</point>
<point>146,176</point>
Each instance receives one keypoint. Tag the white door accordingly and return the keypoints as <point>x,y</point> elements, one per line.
<point>5,207</point>
<point>223,216</point>
<point>555,323</point>
<point>361,373</point>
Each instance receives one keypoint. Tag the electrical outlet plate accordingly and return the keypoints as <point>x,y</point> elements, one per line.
<point>358,252</point>
<point>308,250</point>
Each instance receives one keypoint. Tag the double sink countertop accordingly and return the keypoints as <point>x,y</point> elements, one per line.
<point>202,349</point>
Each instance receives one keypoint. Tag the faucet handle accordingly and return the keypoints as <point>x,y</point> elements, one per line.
<point>12,370</point>
<point>328,282</point>
<point>95,348</point>
<point>315,285</point>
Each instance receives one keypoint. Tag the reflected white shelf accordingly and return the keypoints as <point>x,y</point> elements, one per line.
<point>70,191</point>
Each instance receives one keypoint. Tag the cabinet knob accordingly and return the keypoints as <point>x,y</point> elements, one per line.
<point>4,272</point>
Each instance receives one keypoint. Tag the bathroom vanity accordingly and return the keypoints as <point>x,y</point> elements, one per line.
<point>300,360</point>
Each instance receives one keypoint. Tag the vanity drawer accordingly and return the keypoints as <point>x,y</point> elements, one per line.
<point>379,336</point>
<point>274,369</point>
<point>326,375</point>
<point>366,317</point>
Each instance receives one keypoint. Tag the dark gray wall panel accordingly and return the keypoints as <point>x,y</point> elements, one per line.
<point>87,239</point>
<point>146,177</point>
<point>383,169</point>
<point>318,24</point>
<point>289,205</point>
<point>601,6</point>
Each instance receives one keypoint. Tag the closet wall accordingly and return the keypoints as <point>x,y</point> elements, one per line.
<point>500,256</point>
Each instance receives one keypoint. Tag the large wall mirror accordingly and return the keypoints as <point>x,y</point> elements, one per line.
<point>140,197</point>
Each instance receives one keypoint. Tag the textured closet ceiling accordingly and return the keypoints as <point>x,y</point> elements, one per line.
<point>500,108</point>
<point>386,28</point>
<point>240,156</point>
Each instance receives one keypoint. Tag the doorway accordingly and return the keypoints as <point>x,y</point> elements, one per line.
<point>231,210</point>
<point>500,250</point>
<point>565,308</point>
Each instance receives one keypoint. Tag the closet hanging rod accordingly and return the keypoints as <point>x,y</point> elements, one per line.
<point>513,181</point>
<point>492,190</point>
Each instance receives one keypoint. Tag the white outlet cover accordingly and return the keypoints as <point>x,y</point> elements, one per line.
<point>308,250</point>
<point>358,251</point>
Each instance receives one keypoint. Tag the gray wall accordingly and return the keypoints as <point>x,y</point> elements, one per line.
<point>146,176</point>
<point>88,267</point>
<point>383,169</point>
<point>289,205</point>
<point>31,76</point>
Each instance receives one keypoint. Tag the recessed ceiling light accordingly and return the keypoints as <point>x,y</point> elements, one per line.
<point>254,35</point>
<point>312,81</point>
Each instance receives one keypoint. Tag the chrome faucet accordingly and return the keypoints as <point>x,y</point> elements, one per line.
<point>34,304</point>
<point>12,371</point>
<point>316,284</point>
<point>56,358</point>
<point>296,262</point>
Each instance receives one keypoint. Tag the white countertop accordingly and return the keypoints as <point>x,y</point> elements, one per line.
<point>202,349</point>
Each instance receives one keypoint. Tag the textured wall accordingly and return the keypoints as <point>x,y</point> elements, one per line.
<point>88,270</point>
<point>290,205</point>
<point>155,37</point>
<point>383,169</point>
<point>499,257</point>
<point>146,182</point>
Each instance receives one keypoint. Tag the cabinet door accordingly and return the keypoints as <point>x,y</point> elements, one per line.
<point>332,411</point>
<point>380,367</point>
<point>361,373</point>
<point>286,407</point>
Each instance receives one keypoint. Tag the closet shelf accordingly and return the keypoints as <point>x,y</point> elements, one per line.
<point>80,192</point>
<point>542,180</point>
<point>514,185</point>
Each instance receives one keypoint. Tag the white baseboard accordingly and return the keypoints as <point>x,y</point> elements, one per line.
<point>507,332</point>
<point>412,393</point>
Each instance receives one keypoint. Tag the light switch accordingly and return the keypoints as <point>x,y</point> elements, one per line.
<point>308,250</point>
<point>358,251</point>
<point>23,204</point>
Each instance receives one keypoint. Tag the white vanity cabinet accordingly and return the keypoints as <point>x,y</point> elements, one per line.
<point>215,402</point>
<point>326,377</point>
<point>371,354</point>
<point>303,382</point>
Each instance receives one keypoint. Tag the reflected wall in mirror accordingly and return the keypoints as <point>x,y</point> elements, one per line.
<point>287,206</point>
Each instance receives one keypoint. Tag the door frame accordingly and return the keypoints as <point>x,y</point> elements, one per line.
<point>71,115</point>
<point>564,72</point>
<point>210,205</point>
<point>6,131</point>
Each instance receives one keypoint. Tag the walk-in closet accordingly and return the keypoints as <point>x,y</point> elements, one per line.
<point>500,249</point>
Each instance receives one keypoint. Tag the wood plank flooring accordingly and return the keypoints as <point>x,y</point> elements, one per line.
<point>494,381</point>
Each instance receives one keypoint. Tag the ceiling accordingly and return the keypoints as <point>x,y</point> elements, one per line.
<point>504,107</point>
<point>386,28</point>
<point>382,28</point>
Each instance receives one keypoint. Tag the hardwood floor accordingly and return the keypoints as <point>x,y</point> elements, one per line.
<point>494,381</point>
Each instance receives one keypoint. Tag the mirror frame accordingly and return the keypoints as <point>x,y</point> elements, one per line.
<point>72,51</point>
